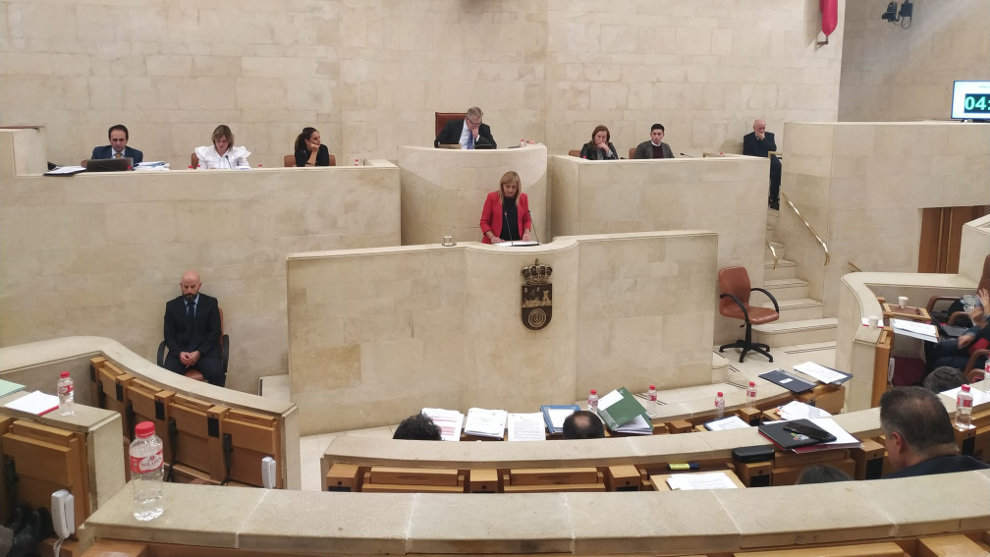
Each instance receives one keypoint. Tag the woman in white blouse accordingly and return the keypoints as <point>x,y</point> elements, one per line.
<point>223,153</point>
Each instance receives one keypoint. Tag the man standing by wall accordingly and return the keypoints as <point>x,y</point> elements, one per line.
<point>759,143</point>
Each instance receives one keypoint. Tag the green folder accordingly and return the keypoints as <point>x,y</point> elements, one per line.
<point>622,411</point>
<point>7,387</point>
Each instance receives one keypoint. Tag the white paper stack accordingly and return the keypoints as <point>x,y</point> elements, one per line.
<point>449,422</point>
<point>486,423</point>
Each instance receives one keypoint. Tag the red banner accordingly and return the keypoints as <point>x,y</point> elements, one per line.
<point>830,15</point>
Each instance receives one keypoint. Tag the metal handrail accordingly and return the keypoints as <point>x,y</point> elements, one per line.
<point>809,227</point>
<point>773,253</point>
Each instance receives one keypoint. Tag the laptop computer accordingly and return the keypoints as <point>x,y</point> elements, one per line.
<point>110,165</point>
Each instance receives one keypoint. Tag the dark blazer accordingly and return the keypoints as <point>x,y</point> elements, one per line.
<point>940,465</point>
<point>756,148</point>
<point>322,156</point>
<point>591,152</point>
<point>451,133</point>
<point>106,152</point>
<point>204,333</point>
<point>645,151</point>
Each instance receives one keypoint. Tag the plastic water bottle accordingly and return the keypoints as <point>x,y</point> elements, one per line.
<point>652,409</point>
<point>357,162</point>
<point>964,408</point>
<point>751,393</point>
<point>66,395</point>
<point>146,472</point>
<point>522,142</point>
<point>593,401</point>
<point>719,405</point>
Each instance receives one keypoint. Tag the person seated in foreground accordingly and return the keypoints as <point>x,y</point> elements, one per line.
<point>655,148</point>
<point>309,150</point>
<point>600,147</point>
<point>955,352</point>
<point>583,425</point>
<point>223,153</point>
<point>192,331</point>
<point>918,435</point>
<point>118,148</point>
<point>943,379</point>
<point>470,133</point>
<point>418,427</point>
<point>821,473</point>
<point>505,216</point>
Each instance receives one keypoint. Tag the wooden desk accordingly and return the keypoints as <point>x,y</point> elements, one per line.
<point>659,481</point>
<point>894,311</point>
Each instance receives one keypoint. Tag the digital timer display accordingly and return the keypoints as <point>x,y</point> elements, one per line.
<point>979,102</point>
<point>971,100</point>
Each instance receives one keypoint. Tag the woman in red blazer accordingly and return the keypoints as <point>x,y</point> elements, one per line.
<point>507,205</point>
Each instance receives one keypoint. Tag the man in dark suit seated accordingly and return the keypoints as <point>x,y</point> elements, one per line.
<point>759,143</point>
<point>918,435</point>
<point>583,425</point>
<point>470,133</point>
<point>118,148</point>
<point>655,148</point>
<point>192,331</point>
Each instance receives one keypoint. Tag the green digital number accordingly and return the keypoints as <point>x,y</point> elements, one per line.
<point>977,102</point>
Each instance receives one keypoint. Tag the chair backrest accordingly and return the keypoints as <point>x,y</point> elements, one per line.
<point>735,281</point>
<point>574,152</point>
<point>193,161</point>
<point>632,152</point>
<point>441,119</point>
<point>985,279</point>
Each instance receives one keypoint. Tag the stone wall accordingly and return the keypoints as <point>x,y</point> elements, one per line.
<point>371,73</point>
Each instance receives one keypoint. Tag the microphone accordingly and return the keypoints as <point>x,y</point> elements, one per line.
<point>505,217</point>
<point>530,213</point>
<point>226,158</point>
<point>687,155</point>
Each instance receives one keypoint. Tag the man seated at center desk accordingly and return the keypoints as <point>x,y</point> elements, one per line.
<point>470,133</point>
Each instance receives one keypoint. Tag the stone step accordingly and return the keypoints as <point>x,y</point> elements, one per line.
<point>785,269</point>
<point>797,309</point>
<point>791,333</point>
<point>787,288</point>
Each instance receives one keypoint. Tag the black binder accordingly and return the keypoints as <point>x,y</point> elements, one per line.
<point>788,381</point>
<point>779,433</point>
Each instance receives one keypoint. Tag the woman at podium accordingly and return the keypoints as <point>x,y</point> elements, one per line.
<point>505,216</point>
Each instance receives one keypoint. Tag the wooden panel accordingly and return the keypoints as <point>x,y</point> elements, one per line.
<point>541,476</point>
<point>950,545</point>
<point>622,478</point>
<point>150,403</point>
<point>253,437</point>
<point>483,480</point>
<point>414,476</point>
<point>788,475</point>
<point>754,473</point>
<point>343,477</point>
<point>881,365</point>
<point>867,455</point>
<point>880,549</point>
<point>198,442</point>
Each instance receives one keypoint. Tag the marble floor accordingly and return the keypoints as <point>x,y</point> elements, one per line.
<point>727,374</point>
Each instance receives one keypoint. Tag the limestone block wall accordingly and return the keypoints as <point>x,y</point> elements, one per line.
<point>862,187</point>
<point>100,254</point>
<point>891,74</point>
<point>369,74</point>
<point>727,195</point>
<point>376,335</point>
<point>443,190</point>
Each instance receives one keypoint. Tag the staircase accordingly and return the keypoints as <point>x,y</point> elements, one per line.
<point>801,322</point>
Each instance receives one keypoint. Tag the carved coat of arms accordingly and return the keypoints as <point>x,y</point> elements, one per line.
<point>537,296</point>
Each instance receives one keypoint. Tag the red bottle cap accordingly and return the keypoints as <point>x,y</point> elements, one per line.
<point>965,388</point>
<point>719,393</point>
<point>144,429</point>
<point>64,374</point>
<point>594,392</point>
<point>752,383</point>
<point>653,387</point>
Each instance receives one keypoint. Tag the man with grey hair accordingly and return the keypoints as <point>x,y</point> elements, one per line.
<point>760,143</point>
<point>918,435</point>
<point>470,133</point>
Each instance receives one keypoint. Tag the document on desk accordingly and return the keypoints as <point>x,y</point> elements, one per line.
<point>449,422</point>
<point>37,403</point>
<point>732,422</point>
<point>923,331</point>
<point>65,170</point>
<point>824,374</point>
<point>706,480</point>
<point>486,423</point>
<point>795,410</point>
<point>527,427</point>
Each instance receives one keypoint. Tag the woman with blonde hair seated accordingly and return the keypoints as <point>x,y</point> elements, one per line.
<point>223,153</point>
<point>505,216</point>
